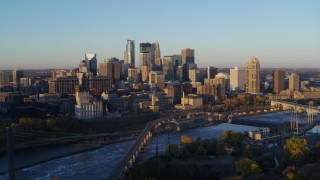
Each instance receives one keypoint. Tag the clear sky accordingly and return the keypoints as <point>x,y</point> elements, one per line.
<point>56,34</point>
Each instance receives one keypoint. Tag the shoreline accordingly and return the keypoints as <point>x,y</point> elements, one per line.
<point>94,147</point>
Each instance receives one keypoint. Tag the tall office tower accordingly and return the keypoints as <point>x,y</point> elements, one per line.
<point>111,68</point>
<point>145,72</point>
<point>211,72</point>
<point>177,60</point>
<point>145,60</point>
<point>278,80</point>
<point>155,54</point>
<point>4,79</point>
<point>294,81</point>
<point>156,80</point>
<point>16,75</point>
<point>179,73</point>
<point>237,79</point>
<point>187,56</point>
<point>168,68</point>
<point>91,60</point>
<point>193,74</point>
<point>253,76</point>
<point>129,54</point>
<point>133,75</point>
<point>145,49</point>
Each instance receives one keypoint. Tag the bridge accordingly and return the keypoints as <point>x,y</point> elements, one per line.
<point>294,106</point>
<point>130,157</point>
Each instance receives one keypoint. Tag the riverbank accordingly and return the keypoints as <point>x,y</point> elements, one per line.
<point>23,159</point>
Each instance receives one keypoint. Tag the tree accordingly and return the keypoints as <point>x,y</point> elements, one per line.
<point>201,151</point>
<point>175,151</point>
<point>297,149</point>
<point>247,167</point>
<point>186,140</point>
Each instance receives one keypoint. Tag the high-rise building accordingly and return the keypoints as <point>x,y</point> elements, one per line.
<point>179,73</point>
<point>133,75</point>
<point>193,74</point>
<point>220,87</point>
<point>168,68</point>
<point>156,80</point>
<point>129,54</point>
<point>187,56</point>
<point>92,62</point>
<point>294,82</point>
<point>253,76</point>
<point>4,79</point>
<point>237,79</point>
<point>83,67</point>
<point>211,72</point>
<point>111,68</point>
<point>145,65</point>
<point>145,47</point>
<point>278,80</point>
<point>155,54</point>
<point>16,75</point>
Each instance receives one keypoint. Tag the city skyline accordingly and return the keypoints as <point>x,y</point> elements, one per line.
<point>56,35</point>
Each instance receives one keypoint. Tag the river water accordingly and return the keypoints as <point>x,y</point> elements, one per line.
<point>97,164</point>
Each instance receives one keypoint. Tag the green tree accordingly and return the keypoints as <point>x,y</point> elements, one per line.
<point>201,151</point>
<point>296,149</point>
<point>247,168</point>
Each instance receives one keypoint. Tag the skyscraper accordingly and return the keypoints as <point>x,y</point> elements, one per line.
<point>187,56</point>
<point>253,76</point>
<point>129,54</point>
<point>237,79</point>
<point>155,54</point>
<point>168,68</point>
<point>144,48</point>
<point>91,60</point>
<point>156,80</point>
<point>133,74</point>
<point>16,75</point>
<point>294,81</point>
<point>211,72</point>
<point>4,79</point>
<point>145,61</point>
<point>111,68</point>
<point>278,80</point>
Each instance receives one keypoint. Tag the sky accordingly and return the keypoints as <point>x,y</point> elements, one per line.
<point>37,34</point>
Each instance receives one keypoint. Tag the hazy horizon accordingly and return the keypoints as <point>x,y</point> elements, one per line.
<point>224,34</point>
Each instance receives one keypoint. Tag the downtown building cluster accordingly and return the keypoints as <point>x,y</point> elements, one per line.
<point>115,87</point>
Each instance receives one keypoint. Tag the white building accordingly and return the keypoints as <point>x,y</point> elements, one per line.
<point>86,109</point>
<point>237,79</point>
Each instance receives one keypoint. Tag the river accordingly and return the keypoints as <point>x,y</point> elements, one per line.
<point>98,163</point>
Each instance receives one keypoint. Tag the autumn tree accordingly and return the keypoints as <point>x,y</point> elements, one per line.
<point>186,139</point>
<point>297,149</point>
<point>247,168</point>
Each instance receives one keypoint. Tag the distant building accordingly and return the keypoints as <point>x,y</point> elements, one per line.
<point>91,60</point>
<point>187,56</point>
<point>211,72</point>
<point>16,75</point>
<point>129,54</point>
<point>189,102</point>
<point>100,84</point>
<point>111,68</point>
<point>145,59</point>
<point>156,80</point>
<point>278,80</point>
<point>208,92</point>
<point>4,79</point>
<point>193,74</point>
<point>87,109</point>
<point>237,79</point>
<point>220,87</point>
<point>63,85</point>
<point>145,48</point>
<point>253,76</point>
<point>294,82</point>
<point>155,54</point>
<point>168,68</point>
<point>133,75</point>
